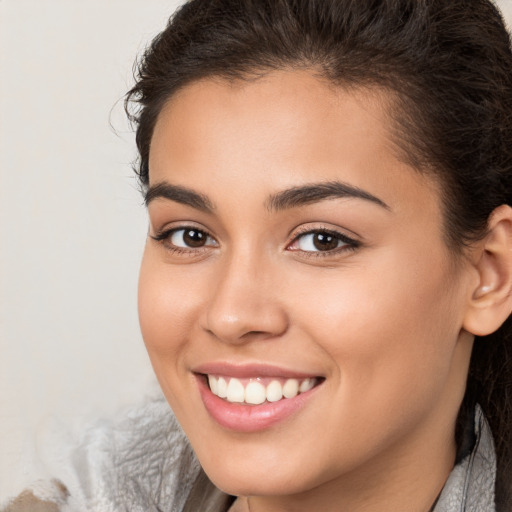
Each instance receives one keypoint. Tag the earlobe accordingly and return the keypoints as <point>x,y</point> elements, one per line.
<point>491,300</point>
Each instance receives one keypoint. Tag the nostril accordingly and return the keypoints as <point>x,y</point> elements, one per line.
<point>254,334</point>
<point>239,331</point>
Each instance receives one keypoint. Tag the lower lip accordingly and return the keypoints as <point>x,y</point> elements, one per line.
<point>250,418</point>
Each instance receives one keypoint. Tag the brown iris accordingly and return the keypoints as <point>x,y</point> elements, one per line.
<point>325,241</point>
<point>194,238</point>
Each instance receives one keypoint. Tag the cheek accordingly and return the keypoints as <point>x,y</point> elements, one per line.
<point>390,328</point>
<point>167,309</point>
<point>169,304</point>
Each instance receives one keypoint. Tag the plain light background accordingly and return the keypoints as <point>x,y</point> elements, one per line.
<point>72,223</point>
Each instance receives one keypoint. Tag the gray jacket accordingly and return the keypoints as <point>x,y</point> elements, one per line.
<point>144,463</point>
<point>470,486</point>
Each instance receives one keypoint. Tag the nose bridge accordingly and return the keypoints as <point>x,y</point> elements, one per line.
<point>244,300</point>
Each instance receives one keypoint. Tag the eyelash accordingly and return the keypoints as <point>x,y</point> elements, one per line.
<point>165,236</point>
<point>350,244</point>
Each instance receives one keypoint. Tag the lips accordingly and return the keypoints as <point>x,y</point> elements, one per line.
<point>253,397</point>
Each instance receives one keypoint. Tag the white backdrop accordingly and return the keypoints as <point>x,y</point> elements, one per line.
<point>72,224</point>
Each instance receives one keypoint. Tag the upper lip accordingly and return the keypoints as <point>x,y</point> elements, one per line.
<point>242,371</point>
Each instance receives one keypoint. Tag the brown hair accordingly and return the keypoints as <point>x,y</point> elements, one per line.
<point>448,64</point>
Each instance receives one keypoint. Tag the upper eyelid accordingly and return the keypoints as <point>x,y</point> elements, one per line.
<point>170,227</point>
<point>351,242</point>
<point>342,236</point>
<point>307,229</point>
<point>350,245</point>
<point>165,233</point>
<point>347,241</point>
<point>163,237</point>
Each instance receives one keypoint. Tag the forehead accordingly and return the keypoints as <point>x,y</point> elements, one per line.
<point>280,130</point>
<point>288,101</point>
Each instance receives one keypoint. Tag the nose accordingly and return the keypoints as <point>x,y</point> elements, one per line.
<point>244,303</point>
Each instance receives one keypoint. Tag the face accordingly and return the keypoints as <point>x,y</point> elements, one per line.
<point>299,305</point>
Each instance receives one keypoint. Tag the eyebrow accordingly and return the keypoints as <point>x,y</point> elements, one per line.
<point>315,192</point>
<point>286,199</point>
<point>180,195</point>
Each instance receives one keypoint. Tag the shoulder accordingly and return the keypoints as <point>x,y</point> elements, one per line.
<point>138,461</point>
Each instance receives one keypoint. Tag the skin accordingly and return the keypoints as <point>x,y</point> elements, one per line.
<point>382,322</point>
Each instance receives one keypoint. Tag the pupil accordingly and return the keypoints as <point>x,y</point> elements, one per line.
<point>325,242</point>
<point>194,238</point>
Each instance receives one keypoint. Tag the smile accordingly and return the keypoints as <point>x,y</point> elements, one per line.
<point>257,390</point>
<point>251,398</point>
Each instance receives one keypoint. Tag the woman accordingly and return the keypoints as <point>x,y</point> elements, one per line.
<point>327,282</point>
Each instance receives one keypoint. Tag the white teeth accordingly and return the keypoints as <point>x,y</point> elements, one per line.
<point>291,388</point>
<point>222,388</point>
<point>306,385</point>
<point>254,392</point>
<point>235,391</point>
<point>274,391</point>
<point>212,381</point>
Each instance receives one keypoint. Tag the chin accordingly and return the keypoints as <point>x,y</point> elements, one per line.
<point>254,482</point>
<point>263,470</point>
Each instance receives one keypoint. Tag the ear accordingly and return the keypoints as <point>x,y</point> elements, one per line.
<point>491,300</point>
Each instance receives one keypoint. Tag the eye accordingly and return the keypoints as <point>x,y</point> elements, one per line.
<point>189,238</point>
<point>322,241</point>
<point>183,239</point>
